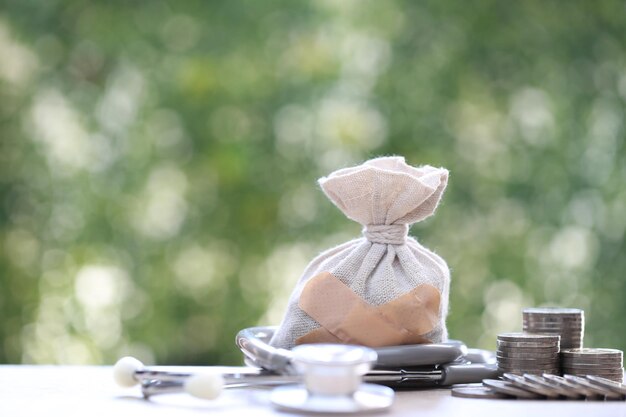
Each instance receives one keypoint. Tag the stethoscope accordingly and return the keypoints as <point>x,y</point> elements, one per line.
<point>319,378</point>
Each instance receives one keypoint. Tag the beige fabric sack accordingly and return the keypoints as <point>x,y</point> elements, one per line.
<point>383,288</point>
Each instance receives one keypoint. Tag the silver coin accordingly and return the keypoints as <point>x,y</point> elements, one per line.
<point>564,392</point>
<point>571,386</point>
<point>530,371</point>
<point>547,340</point>
<point>478,392</point>
<point>529,345</point>
<point>537,328</point>
<point>607,393</point>
<point>611,375</point>
<point>578,328</point>
<point>527,385</point>
<point>532,364</point>
<point>592,361</point>
<point>595,352</point>
<point>558,332</point>
<point>565,338</point>
<point>527,355</point>
<point>525,365</point>
<point>530,358</point>
<point>594,366</point>
<point>619,379</point>
<point>554,310</point>
<point>553,320</point>
<point>608,383</point>
<point>528,337</point>
<point>542,350</point>
<point>507,388</point>
<point>598,367</point>
<point>616,378</point>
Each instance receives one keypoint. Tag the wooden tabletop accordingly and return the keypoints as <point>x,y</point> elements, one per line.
<point>90,391</point>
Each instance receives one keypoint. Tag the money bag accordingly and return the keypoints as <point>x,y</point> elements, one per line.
<point>384,288</point>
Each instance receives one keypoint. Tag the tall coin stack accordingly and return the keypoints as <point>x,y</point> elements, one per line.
<point>527,353</point>
<point>607,363</point>
<point>569,323</point>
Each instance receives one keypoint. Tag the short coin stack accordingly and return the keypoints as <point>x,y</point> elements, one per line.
<point>569,323</point>
<point>607,363</point>
<point>527,353</point>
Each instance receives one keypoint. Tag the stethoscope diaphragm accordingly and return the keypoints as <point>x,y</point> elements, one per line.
<point>332,376</point>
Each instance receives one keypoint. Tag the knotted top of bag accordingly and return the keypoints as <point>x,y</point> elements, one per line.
<point>386,196</point>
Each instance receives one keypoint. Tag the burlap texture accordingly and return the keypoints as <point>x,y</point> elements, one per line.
<point>386,196</point>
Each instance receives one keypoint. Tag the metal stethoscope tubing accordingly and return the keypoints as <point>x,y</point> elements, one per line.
<point>162,382</point>
<point>206,384</point>
<point>325,369</point>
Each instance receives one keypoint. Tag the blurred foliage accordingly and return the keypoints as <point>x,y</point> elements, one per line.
<point>158,162</point>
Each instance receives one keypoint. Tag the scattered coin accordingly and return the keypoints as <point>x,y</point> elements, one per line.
<point>564,392</point>
<point>607,383</point>
<point>507,388</point>
<point>599,390</point>
<point>588,394</point>
<point>478,392</point>
<point>613,377</point>
<point>528,385</point>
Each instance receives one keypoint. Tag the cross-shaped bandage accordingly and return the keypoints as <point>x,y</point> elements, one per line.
<point>345,317</point>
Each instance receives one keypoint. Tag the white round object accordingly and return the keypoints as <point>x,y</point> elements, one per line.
<point>207,386</point>
<point>367,398</point>
<point>124,371</point>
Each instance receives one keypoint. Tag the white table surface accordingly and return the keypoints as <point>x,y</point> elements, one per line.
<point>90,391</point>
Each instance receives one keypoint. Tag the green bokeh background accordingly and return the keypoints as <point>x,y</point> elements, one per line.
<point>158,162</point>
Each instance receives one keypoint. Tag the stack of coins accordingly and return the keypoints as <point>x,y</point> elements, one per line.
<point>527,353</point>
<point>569,323</point>
<point>607,363</point>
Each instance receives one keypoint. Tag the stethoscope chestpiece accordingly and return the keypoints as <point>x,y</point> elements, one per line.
<point>332,376</point>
